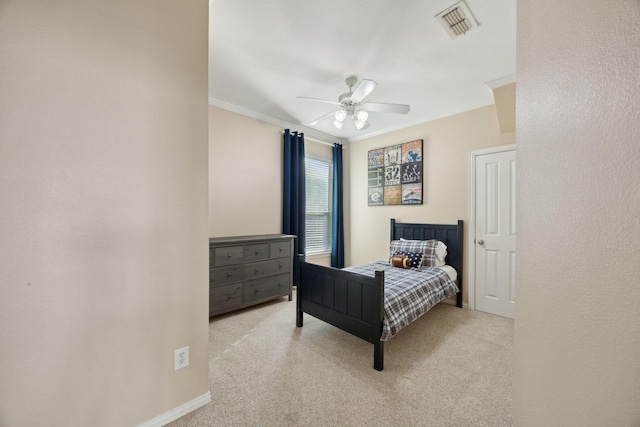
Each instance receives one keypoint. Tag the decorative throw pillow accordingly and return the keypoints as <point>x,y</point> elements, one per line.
<point>401,261</point>
<point>415,258</point>
<point>425,247</point>
<point>441,251</point>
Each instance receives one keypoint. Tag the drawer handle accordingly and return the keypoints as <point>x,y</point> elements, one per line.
<point>229,255</point>
<point>280,249</point>
<point>280,265</point>
<point>229,274</point>
<point>257,251</point>
<point>255,292</point>
<point>257,270</point>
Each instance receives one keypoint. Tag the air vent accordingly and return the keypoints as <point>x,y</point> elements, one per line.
<point>457,20</point>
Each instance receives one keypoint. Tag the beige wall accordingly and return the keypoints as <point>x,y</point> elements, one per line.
<point>245,177</point>
<point>505,101</point>
<point>103,171</point>
<point>447,143</point>
<point>577,330</point>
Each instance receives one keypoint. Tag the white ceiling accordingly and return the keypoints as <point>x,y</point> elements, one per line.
<point>265,53</point>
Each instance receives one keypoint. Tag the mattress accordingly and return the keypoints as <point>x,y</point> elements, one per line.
<point>408,293</point>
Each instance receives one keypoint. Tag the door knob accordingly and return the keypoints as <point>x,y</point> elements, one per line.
<point>481,242</point>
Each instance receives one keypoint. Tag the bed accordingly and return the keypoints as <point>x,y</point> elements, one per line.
<point>353,299</point>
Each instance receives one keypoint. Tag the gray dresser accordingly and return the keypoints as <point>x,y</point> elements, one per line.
<point>249,270</point>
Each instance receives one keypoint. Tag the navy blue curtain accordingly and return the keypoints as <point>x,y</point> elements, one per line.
<point>293,195</point>
<point>337,223</point>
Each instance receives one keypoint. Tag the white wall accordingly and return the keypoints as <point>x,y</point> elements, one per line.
<point>103,171</point>
<point>577,333</point>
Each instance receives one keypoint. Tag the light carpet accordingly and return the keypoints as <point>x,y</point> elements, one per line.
<point>452,367</point>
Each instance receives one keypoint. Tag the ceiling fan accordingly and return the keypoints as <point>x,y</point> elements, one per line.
<point>352,105</point>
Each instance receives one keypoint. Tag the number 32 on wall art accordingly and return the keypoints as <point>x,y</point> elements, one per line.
<point>395,174</point>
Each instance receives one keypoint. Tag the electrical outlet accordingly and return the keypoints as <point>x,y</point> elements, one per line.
<point>181,358</point>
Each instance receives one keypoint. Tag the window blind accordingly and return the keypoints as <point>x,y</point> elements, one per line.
<point>319,180</point>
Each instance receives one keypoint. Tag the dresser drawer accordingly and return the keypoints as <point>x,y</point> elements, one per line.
<point>225,297</point>
<point>258,289</point>
<point>279,249</point>
<point>225,255</point>
<point>266,268</point>
<point>223,275</point>
<point>256,252</point>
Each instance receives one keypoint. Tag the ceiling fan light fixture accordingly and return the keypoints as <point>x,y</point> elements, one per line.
<point>352,104</point>
<point>362,116</point>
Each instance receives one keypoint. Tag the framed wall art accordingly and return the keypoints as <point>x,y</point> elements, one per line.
<point>395,174</point>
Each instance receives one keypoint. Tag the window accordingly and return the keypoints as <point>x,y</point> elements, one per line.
<point>319,182</point>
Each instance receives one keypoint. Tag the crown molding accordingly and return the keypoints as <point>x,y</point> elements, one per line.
<point>502,81</point>
<point>330,139</point>
<point>441,115</point>
<point>320,136</point>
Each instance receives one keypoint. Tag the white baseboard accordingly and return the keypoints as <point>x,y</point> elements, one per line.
<point>175,413</point>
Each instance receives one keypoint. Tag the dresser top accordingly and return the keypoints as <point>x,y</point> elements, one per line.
<point>242,239</point>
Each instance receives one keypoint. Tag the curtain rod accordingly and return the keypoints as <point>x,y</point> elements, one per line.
<point>316,140</point>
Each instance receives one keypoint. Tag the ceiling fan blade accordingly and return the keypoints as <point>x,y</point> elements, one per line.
<point>380,107</point>
<point>319,100</point>
<point>364,88</point>
<point>319,119</point>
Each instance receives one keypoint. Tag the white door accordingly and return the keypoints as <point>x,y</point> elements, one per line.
<point>495,233</point>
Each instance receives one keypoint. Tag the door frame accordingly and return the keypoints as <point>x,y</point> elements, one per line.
<point>470,243</point>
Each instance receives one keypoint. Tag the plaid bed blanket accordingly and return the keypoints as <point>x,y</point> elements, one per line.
<point>408,293</point>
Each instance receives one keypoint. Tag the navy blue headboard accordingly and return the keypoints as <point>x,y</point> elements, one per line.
<point>450,234</point>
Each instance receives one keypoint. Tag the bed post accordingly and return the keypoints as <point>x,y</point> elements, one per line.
<point>378,355</point>
<point>298,282</point>
<point>460,240</point>
<point>378,345</point>
<point>393,229</point>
